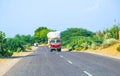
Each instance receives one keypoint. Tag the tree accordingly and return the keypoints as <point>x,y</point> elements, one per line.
<point>71,32</point>
<point>40,34</point>
<point>25,39</point>
<point>3,48</point>
<point>15,45</point>
<point>76,38</point>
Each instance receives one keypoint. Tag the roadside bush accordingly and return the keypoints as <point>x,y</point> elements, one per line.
<point>4,52</point>
<point>109,42</point>
<point>14,45</point>
<point>93,46</point>
<point>70,49</point>
<point>27,47</point>
<point>84,45</point>
<point>118,48</point>
<point>8,53</point>
<point>68,46</point>
<point>78,47</point>
<point>1,56</point>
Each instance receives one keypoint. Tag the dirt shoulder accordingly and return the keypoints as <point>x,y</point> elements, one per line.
<point>110,51</point>
<point>7,63</point>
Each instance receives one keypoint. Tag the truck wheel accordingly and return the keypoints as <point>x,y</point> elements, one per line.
<point>59,50</point>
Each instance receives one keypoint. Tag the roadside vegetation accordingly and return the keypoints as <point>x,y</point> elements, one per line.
<point>21,43</point>
<point>72,39</point>
<point>40,35</point>
<point>82,39</point>
<point>118,48</point>
<point>17,44</point>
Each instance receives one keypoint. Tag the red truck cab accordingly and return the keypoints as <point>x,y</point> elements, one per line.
<point>55,44</point>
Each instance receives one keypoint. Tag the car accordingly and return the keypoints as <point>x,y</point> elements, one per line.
<point>36,44</point>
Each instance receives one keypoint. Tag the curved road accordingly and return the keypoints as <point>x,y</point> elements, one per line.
<point>45,63</point>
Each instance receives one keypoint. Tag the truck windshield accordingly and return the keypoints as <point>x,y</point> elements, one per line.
<point>52,41</point>
<point>58,41</point>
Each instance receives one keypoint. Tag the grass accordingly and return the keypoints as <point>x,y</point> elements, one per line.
<point>112,51</point>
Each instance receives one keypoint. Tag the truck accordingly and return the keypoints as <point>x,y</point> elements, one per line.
<point>54,41</point>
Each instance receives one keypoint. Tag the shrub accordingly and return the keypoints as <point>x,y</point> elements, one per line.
<point>4,52</point>
<point>1,56</point>
<point>109,42</point>
<point>78,47</point>
<point>118,48</point>
<point>70,49</point>
<point>94,46</point>
<point>27,47</point>
<point>10,53</point>
<point>84,45</point>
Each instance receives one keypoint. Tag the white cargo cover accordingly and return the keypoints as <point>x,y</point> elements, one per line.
<point>56,34</point>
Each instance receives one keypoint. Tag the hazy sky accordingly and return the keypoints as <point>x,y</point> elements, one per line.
<point>24,16</point>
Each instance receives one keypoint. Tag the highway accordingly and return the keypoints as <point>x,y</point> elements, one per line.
<point>45,63</point>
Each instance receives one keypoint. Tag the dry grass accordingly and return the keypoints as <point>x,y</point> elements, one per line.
<point>111,51</point>
<point>43,44</point>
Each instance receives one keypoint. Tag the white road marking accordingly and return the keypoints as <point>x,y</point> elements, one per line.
<point>66,59</point>
<point>87,73</point>
<point>61,56</point>
<point>69,61</point>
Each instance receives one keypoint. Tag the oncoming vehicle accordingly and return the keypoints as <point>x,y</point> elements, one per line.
<point>36,44</point>
<point>54,41</point>
<point>55,44</point>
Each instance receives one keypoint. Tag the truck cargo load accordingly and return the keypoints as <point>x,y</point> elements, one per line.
<point>56,34</point>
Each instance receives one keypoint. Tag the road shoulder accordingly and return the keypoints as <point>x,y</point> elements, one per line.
<point>7,63</point>
<point>101,54</point>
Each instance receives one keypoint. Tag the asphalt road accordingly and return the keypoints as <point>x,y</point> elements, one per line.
<point>45,63</point>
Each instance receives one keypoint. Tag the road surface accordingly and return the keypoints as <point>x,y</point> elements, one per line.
<point>45,63</point>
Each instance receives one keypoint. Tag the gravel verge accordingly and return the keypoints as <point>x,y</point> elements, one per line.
<point>7,63</point>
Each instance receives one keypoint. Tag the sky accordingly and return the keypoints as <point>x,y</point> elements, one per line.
<point>25,16</point>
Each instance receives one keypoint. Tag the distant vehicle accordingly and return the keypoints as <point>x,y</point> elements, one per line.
<point>54,41</point>
<point>36,44</point>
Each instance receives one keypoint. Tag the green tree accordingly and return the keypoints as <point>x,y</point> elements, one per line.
<point>70,32</point>
<point>19,43</point>
<point>15,45</point>
<point>76,38</point>
<point>25,39</point>
<point>40,34</point>
<point>3,48</point>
